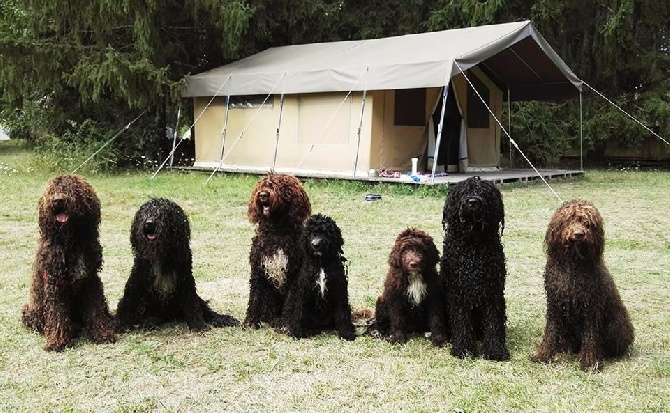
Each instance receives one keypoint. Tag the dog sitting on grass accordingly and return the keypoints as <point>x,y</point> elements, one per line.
<point>585,313</point>
<point>319,300</point>
<point>413,297</point>
<point>161,287</point>
<point>66,291</point>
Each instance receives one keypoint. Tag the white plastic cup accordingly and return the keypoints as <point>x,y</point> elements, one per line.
<point>415,165</point>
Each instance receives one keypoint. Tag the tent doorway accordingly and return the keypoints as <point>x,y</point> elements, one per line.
<point>448,154</point>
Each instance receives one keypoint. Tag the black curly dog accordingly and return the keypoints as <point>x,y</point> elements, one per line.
<point>473,268</point>
<point>413,297</point>
<point>319,299</point>
<point>161,287</point>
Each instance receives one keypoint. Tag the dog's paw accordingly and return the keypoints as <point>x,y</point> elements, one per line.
<point>497,354</point>
<point>57,346</point>
<point>438,340</point>
<point>105,336</point>
<point>347,335</point>
<point>541,357</point>
<point>397,338</point>
<point>222,320</point>
<point>590,362</point>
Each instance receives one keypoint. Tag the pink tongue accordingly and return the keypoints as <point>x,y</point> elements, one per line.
<point>266,210</point>
<point>151,237</point>
<point>62,217</point>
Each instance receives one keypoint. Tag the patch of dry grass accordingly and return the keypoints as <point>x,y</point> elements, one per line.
<point>258,370</point>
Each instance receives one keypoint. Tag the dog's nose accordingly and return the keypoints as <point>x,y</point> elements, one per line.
<point>149,226</point>
<point>264,196</point>
<point>316,242</point>
<point>413,265</point>
<point>578,234</point>
<point>473,201</point>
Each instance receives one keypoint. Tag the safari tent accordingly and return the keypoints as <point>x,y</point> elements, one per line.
<point>341,109</point>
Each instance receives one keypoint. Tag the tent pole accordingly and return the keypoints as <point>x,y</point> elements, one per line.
<point>174,136</point>
<point>440,126</point>
<point>224,130</point>
<point>360,123</point>
<point>509,123</point>
<point>281,111</point>
<point>581,133</point>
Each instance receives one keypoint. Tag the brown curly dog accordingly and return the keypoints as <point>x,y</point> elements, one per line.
<point>585,313</point>
<point>280,206</point>
<point>413,298</point>
<point>66,291</point>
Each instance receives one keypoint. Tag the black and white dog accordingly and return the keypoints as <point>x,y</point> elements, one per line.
<point>319,299</point>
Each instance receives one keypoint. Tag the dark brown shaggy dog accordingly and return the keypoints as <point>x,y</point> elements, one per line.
<point>280,206</point>
<point>473,269</point>
<point>66,291</point>
<point>319,299</point>
<point>161,287</point>
<point>585,313</point>
<point>413,297</point>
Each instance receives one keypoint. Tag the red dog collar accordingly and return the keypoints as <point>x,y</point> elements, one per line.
<point>60,282</point>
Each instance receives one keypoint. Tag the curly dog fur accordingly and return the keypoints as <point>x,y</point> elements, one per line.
<point>66,290</point>
<point>413,297</point>
<point>280,206</point>
<point>585,313</point>
<point>319,300</point>
<point>161,287</point>
<point>473,268</point>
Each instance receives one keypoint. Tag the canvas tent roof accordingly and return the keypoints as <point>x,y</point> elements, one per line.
<point>515,53</point>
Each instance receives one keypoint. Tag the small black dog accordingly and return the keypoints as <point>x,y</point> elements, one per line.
<point>319,299</point>
<point>161,287</point>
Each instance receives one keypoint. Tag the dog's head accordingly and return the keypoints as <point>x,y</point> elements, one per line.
<point>476,205</point>
<point>321,237</point>
<point>160,227</point>
<point>577,229</point>
<point>69,205</point>
<point>277,199</point>
<point>414,251</point>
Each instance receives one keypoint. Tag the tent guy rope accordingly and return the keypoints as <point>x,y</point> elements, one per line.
<point>512,141</point>
<point>192,125</point>
<point>125,128</point>
<point>320,135</point>
<point>627,114</point>
<point>218,167</point>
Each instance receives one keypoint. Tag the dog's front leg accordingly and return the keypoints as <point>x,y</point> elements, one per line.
<point>345,327</point>
<point>591,354</point>
<point>437,321</point>
<point>192,311</point>
<point>58,324</point>
<point>493,343</point>
<point>460,321</point>
<point>97,320</point>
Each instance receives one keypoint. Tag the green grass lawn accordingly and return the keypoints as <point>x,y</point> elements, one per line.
<point>234,369</point>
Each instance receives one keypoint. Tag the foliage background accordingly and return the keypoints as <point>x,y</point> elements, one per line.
<point>78,71</point>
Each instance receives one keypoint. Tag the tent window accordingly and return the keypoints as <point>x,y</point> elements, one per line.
<point>251,101</point>
<point>410,107</point>
<point>478,114</point>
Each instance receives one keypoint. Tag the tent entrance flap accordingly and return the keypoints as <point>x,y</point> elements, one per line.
<point>448,154</point>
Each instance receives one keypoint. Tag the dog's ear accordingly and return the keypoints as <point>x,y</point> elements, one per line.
<point>252,211</point>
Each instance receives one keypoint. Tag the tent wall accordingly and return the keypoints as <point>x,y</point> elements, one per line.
<point>483,143</point>
<point>320,120</point>
<point>394,146</point>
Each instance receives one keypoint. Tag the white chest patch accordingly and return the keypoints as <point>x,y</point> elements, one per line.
<point>416,290</point>
<point>163,283</point>
<point>321,283</point>
<point>275,268</point>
